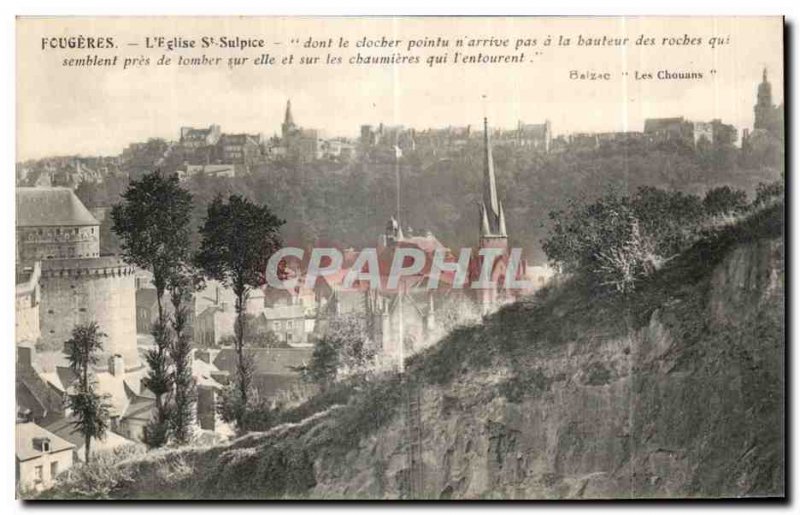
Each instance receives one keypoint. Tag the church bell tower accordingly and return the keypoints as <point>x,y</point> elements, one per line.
<point>493,221</point>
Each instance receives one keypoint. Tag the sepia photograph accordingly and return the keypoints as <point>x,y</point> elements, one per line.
<point>396,258</point>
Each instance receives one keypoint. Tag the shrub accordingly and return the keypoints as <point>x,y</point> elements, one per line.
<point>724,200</point>
<point>602,239</point>
<point>98,479</point>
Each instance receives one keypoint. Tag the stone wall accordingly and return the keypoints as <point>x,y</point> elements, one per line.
<point>38,243</point>
<point>76,291</point>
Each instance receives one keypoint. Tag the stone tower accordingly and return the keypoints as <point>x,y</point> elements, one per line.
<point>288,127</point>
<point>763,108</point>
<point>57,236</point>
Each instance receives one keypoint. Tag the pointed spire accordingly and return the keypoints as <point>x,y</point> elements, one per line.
<point>485,231</point>
<point>489,185</point>
<point>492,217</point>
<point>287,119</point>
<point>764,75</point>
<point>502,221</point>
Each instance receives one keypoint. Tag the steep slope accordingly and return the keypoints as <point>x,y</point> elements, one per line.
<point>676,390</point>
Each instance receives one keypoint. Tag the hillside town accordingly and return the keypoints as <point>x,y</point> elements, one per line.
<point>66,277</point>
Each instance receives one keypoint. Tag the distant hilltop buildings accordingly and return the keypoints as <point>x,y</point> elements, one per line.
<point>215,153</point>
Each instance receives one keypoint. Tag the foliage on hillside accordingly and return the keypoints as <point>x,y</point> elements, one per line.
<point>618,239</point>
<point>349,204</point>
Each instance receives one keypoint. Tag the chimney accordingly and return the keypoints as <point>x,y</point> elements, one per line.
<point>116,365</point>
<point>206,407</point>
<point>25,356</point>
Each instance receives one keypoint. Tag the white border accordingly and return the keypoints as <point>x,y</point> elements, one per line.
<point>321,7</point>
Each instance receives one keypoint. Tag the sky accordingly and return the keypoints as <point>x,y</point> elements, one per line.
<point>98,111</point>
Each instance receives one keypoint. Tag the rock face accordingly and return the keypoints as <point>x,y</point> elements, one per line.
<point>688,404</point>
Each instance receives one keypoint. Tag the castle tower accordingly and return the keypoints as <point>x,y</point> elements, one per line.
<point>493,221</point>
<point>56,231</point>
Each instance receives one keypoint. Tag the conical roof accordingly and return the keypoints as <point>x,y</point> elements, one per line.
<point>51,207</point>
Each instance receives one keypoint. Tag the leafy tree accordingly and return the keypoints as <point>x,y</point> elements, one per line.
<point>152,223</point>
<point>349,335</point>
<point>670,218</point>
<point>324,364</point>
<point>767,193</point>
<point>603,240</point>
<point>725,200</point>
<point>90,409</point>
<point>345,347</point>
<point>238,237</point>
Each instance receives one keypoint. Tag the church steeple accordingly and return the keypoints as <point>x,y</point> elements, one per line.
<point>288,127</point>
<point>287,118</point>
<point>492,217</point>
<point>764,98</point>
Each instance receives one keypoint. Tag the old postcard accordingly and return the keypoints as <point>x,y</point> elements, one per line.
<point>400,258</point>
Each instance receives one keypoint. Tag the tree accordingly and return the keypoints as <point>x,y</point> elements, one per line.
<point>603,240</point>
<point>725,201</point>
<point>345,347</point>
<point>672,219</point>
<point>238,237</point>
<point>90,409</point>
<point>180,293</point>
<point>159,381</point>
<point>324,364</point>
<point>152,223</point>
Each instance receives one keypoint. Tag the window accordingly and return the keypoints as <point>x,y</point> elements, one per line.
<point>38,473</point>
<point>288,337</point>
<point>288,324</point>
<point>53,469</point>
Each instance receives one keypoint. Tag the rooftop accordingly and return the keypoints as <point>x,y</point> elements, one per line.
<point>267,361</point>
<point>50,207</point>
<point>27,431</point>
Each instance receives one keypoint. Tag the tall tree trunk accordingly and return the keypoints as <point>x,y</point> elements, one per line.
<point>243,379</point>
<point>85,389</point>
<point>161,350</point>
